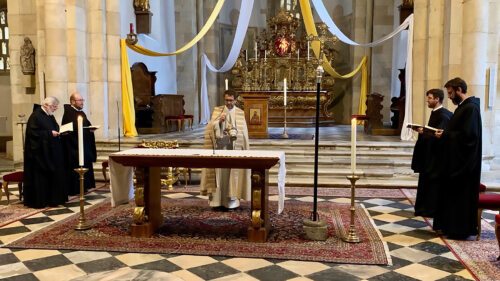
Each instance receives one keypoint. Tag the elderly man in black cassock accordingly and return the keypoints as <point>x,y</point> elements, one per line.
<point>44,177</point>
<point>70,140</point>
<point>428,156</point>
<point>457,213</point>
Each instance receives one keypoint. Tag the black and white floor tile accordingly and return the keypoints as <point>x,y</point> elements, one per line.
<point>417,253</point>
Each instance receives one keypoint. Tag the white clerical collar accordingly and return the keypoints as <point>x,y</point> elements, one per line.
<point>46,112</point>
<point>76,108</point>
<point>439,107</point>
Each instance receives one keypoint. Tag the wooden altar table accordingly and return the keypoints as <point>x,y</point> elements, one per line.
<point>148,162</point>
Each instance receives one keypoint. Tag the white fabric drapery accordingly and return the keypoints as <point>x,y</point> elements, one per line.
<point>406,134</point>
<point>241,30</point>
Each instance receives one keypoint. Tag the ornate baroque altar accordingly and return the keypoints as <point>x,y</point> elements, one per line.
<point>283,52</point>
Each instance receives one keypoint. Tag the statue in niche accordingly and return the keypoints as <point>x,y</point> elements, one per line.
<point>141,5</point>
<point>27,57</point>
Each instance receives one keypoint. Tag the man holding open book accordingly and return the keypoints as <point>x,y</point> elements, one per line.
<point>70,140</point>
<point>428,154</point>
<point>44,177</point>
<point>457,213</point>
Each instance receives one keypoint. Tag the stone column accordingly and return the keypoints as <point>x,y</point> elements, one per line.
<point>474,60</point>
<point>111,90</point>
<point>494,56</point>
<point>56,61</point>
<point>419,55</point>
<point>362,31</point>
<point>77,51</point>
<point>434,44</point>
<point>187,64</point>
<point>23,20</point>
<point>96,65</point>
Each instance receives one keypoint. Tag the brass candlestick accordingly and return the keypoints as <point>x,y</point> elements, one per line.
<point>352,236</point>
<point>82,222</point>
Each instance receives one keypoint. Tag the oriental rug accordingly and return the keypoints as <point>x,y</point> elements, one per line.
<point>322,191</point>
<point>16,211</point>
<point>479,257</point>
<point>191,227</point>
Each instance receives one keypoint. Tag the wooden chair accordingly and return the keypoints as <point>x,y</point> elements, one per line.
<point>104,167</point>
<point>497,231</point>
<point>488,201</point>
<point>180,121</point>
<point>12,177</point>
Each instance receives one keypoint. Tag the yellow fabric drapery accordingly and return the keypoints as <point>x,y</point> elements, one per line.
<point>307,15</point>
<point>129,128</point>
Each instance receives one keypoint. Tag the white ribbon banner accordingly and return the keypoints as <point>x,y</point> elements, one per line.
<point>241,30</point>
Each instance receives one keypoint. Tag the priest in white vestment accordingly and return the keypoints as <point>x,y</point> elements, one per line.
<point>227,129</point>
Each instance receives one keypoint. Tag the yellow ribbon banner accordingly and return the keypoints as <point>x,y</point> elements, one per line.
<point>307,15</point>
<point>201,34</point>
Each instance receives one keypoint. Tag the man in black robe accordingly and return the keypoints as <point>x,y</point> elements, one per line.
<point>70,140</point>
<point>457,213</point>
<point>44,177</point>
<point>428,156</point>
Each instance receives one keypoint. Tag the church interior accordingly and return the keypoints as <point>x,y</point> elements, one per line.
<point>327,89</point>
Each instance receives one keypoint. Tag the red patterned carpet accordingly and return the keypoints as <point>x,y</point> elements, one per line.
<point>191,227</point>
<point>15,211</point>
<point>479,256</point>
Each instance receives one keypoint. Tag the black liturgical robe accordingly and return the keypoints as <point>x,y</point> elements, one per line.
<point>457,212</point>
<point>70,141</point>
<point>44,177</point>
<point>428,162</point>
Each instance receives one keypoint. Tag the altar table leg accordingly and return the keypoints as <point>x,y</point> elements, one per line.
<point>260,226</point>
<point>152,204</point>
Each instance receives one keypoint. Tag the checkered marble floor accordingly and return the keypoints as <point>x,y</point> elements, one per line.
<point>417,253</point>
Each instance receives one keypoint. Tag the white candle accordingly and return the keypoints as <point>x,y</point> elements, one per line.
<point>255,48</point>
<point>80,140</point>
<point>308,47</point>
<point>265,54</point>
<point>284,92</point>
<point>246,55</point>
<point>227,84</point>
<point>298,54</point>
<point>353,145</point>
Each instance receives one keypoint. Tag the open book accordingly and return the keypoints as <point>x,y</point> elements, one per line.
<point>94,127</point>
<point>68,127</point>
<point>427,129</point>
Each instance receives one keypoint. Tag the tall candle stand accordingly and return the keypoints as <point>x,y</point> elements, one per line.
<point>82,222</point>
<point>284,135</point>
<point>352,236</point>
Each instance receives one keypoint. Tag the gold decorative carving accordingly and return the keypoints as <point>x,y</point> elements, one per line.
<point>139,216</point>
<point>141,5</point>
<point>139,196</point>
<point>282,51</point>
<point>256,202</point>
<point>172,174</point>
<point>256,219</point>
